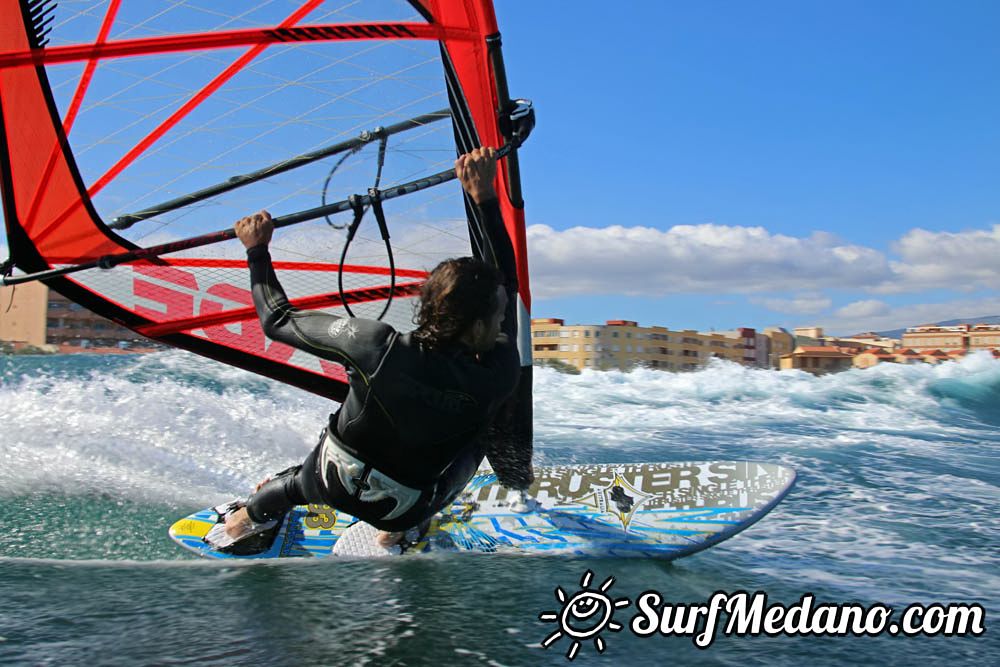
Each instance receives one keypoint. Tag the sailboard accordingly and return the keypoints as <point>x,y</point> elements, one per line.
<point>645,510</point>
<point>133,135</point>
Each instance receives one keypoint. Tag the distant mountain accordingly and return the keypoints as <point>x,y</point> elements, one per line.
<point>898,333</point>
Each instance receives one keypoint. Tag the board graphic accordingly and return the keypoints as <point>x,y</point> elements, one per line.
<point>659,510</point>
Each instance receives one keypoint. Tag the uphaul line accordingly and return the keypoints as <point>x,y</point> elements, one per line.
<point>522,116</point>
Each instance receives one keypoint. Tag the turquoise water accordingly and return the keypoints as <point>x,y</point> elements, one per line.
<point>896,503</point>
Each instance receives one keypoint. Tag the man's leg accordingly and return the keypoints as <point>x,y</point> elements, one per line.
<point>275,496</point>
<point>451,483</point>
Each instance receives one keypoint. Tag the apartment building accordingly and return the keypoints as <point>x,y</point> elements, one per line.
<point>819,359</point>
<point>779,342</point>
<point>966,337</point>
<point>870,339</point>
<point>815,337</point>
<point>753,345</point>
<point>831,359</point>
<point>873,357</point>
<point>22,314</point>
<point>984,337</point>
<point>31,314</point>
<point>623,344</point>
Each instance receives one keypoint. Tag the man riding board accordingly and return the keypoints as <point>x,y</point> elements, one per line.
<point>423,408</point>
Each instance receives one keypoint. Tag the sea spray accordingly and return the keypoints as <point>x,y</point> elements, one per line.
<point>896,503</point>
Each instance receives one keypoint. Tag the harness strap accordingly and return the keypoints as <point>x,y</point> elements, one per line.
<point>364,482</point>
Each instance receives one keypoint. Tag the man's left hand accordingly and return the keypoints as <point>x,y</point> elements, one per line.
<point>476,171</point>
<point>255,230</point>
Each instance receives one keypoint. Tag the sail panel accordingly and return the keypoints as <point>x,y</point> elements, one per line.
<point>93,136</point>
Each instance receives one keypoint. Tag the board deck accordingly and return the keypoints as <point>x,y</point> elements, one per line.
<point>659,510</point>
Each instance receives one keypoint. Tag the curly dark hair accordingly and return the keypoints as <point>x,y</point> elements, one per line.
<point>457,293</point>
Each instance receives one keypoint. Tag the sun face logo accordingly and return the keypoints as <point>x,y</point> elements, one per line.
<point>584,615</point>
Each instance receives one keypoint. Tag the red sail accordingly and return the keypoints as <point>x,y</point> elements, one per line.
<point>116,113</point>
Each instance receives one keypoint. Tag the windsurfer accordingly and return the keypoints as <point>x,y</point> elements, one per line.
<point>423,408</point>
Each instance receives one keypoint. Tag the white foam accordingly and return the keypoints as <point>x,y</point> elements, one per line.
<point>153,430</point>
<point>896,465</point>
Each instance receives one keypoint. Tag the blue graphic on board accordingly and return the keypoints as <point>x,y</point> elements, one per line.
<point>658,510</point>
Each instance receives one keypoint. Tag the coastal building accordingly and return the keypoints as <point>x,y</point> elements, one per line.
<point>929,343</point>
<point>33,315</point>
<point>780,342</point>
<point>623,344</point>
<point>935,356</point>
<point>813,333</point>
<point>984,337</point>
<point>815,337</point>
<point>753,345</point>
<point>818,360</point>
<point>22,314</point>
<point>908,356</point>
<point>869,339</point>
<point>932,336</point>
<point>872,357</point>
<point>964,337</point>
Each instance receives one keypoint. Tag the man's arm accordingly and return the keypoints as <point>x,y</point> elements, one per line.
<point>346,340</point>
<point>508,446</point>
<point>476,171</point>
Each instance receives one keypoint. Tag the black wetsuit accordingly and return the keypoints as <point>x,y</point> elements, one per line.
<point>416,422</point>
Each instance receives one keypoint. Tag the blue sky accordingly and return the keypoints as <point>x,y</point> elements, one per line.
<point>720,164</point>
<point>766,163</point>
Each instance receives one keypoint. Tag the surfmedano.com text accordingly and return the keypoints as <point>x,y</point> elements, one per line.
<point>750,614</point>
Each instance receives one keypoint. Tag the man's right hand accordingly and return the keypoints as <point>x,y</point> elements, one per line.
<point>255,230</point>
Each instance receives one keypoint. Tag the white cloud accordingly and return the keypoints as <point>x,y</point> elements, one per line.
<point>867,309</point>
<point>643,261</point>
<point>949,260</point>
<point>801,304</point>
<point>871,315</point>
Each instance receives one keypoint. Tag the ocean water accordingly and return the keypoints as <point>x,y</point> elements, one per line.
<point>896,503</point>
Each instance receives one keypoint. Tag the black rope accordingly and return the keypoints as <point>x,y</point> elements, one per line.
<point>359,212</point>
<point>357,205</point>
<point>326,184</point>
<point>383,137</point>
<point>7,268</point>
<point>383,140</point>
<point>384,229</point>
